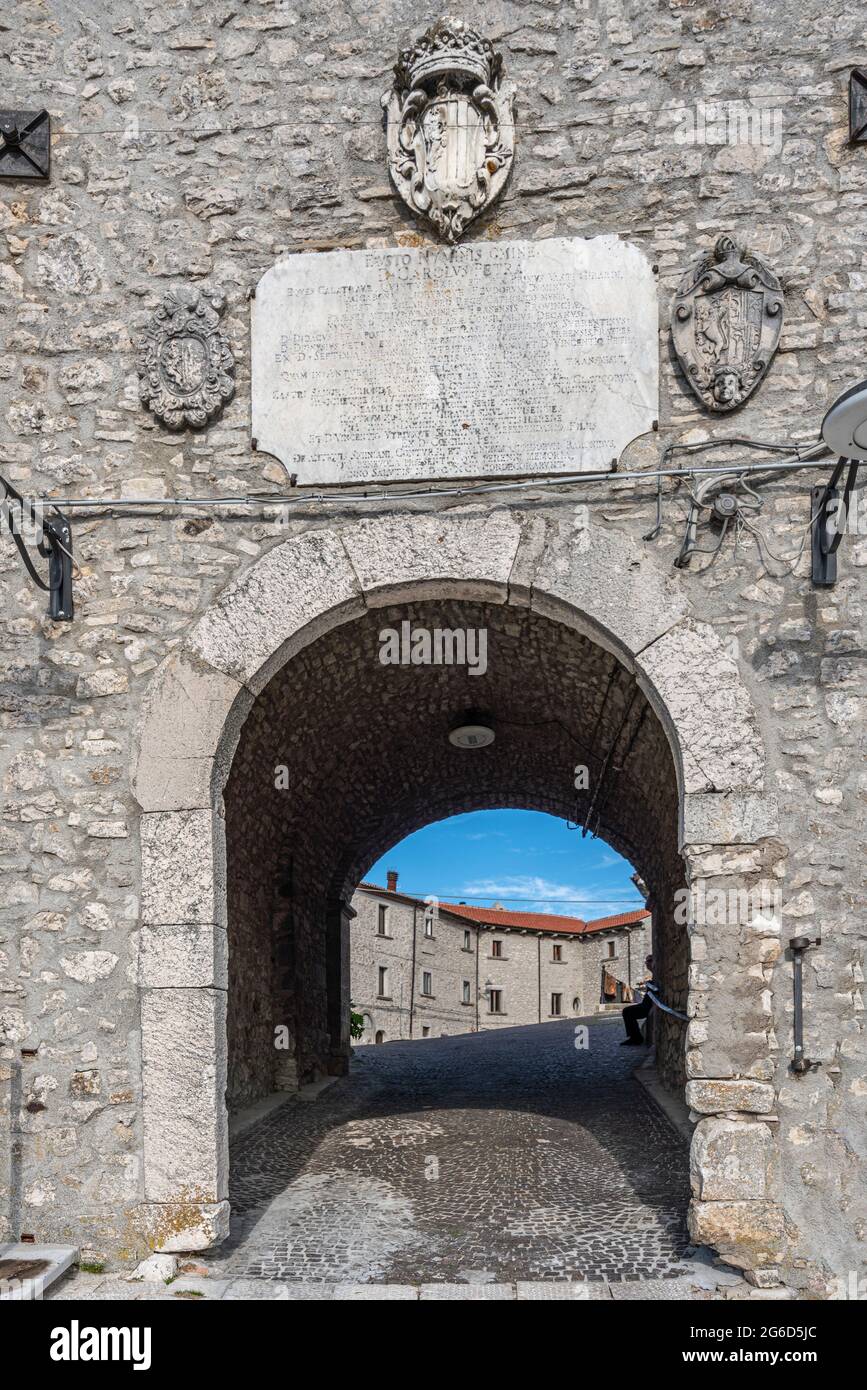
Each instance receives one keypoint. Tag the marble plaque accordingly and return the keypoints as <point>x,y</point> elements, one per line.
<point>502,358</point>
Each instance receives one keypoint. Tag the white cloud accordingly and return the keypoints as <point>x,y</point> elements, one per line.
<point>530,893</point>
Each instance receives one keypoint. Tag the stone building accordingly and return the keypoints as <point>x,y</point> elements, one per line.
<point>425,970</point>
<point>201,767</point>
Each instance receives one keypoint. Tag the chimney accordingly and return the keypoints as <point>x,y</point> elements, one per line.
<point>391,880</point>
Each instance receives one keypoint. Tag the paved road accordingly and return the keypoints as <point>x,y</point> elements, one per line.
<point>500,1156</point>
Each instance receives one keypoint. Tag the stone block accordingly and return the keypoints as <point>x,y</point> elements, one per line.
<point>739,818</point>
<point>183,868</point>
<point>186,1153</point>
<point>376,1293</point>
<point>558,1290</point>
<point>466,1293</point>
<point>690,675</point>
<point>729,1160</point>
<point>296,591</point>
<point>156,1269</point>
<point>596,581</point>
<point>190,717</point>
<point>473,552</point>
<point>747,1234</point>
<point>178,1227</point>
<point>713,1097</point>
<point>189,957</point>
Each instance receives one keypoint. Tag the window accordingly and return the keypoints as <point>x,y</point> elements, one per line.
<point>425,1032</point>
<point>496,1004</point>
<point>428,924</point>
<point>612,949</point>
<point>382,982</point>
<point>556,1005</point>
<point>467,944</point>
<point>558,951</point>
<point>426,982</point>
<point>465,992</point>
<point>496,948</point>
<point>381,920</point>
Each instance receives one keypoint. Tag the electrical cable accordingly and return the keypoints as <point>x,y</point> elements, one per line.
<point>477,489</point>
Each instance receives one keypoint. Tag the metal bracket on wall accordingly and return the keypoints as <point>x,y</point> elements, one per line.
<point>52,537</point>
<point>799,944</point>
<point>829,512</point>
<point>25,151</point>
<point>858,106</point>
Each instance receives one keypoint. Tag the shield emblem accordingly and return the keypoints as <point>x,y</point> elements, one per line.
<point>449,127</point>
<point>186,368</point>
<point>726,322</point>
<point>184,364</point>
<point>454,147</point>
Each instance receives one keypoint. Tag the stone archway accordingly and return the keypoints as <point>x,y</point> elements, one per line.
<point>592,583</point>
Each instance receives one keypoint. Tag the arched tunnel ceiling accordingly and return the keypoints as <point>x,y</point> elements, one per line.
<point>368,760</point>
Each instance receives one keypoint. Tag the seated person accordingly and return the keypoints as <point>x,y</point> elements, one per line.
<point>634,1012</point>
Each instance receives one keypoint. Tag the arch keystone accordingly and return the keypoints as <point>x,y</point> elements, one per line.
<point>473,552</point>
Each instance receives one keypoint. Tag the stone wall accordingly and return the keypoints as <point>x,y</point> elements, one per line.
<point>195,146</point>
<point>368,951</point>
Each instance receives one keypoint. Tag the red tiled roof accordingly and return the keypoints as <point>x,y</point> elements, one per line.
<point>521,921</point>
<point>527,921</point>
<point>620,919</point>
<point>545,921</point>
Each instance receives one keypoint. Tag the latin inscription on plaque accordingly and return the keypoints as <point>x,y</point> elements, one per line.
<point>507,358</point>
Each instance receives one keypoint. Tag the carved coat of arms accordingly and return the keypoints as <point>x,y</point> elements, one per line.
<point>726,322</point>
<point>185,364</point>
<point>450,125</point>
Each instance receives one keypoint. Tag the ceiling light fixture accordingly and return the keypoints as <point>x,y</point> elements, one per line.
<point>472,730</point>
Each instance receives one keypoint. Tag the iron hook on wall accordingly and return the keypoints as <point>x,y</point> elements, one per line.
<point>799,944</point>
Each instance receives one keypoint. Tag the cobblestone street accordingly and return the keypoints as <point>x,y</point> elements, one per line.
<point>497,1157</point>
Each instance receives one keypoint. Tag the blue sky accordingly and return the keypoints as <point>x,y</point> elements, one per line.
<point>521,859</point>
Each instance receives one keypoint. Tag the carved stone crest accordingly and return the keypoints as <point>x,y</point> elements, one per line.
<point>726,322</point>
<point>450,126</point>
<point>185,364</point>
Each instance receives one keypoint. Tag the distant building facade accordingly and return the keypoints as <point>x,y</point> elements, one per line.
<point>427,970</point>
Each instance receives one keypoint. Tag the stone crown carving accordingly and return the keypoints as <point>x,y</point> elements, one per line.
<point>448,49</point>
<point>185,364</point>
<point>450,126</point>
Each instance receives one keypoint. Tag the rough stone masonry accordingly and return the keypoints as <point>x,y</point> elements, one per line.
<point>192,146</point>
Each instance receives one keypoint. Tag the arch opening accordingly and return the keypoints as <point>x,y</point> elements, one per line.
<point>495,919</point>
<point>344,753</point>
<point>283,671</point>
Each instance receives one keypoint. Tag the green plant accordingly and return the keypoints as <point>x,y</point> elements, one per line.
<point>91,1267</point>
<point>356,1023</point>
